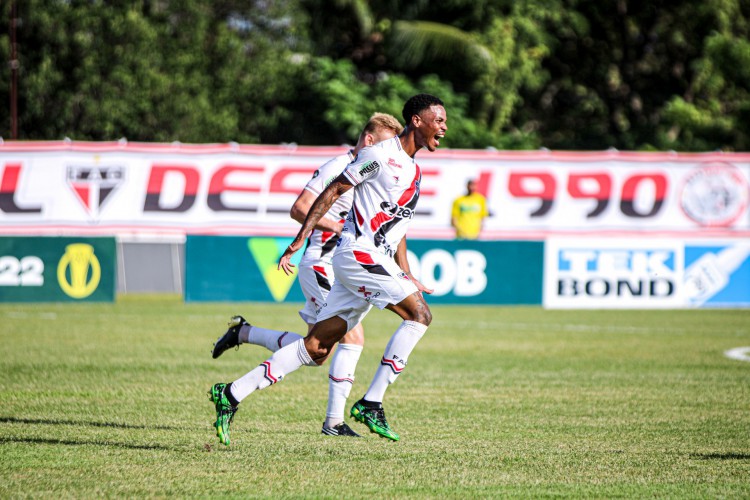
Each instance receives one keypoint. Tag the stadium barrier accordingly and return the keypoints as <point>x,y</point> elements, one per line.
<point>236,268</point>
<point>52,269</point>
<point>612,229</point>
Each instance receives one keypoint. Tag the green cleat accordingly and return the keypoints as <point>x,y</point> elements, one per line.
<point>374,418</point>
<point>224,412</point>
<point>231,338</point>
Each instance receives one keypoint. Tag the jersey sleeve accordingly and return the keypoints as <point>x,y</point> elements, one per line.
<point>366,165</point>
<point>325,174</point>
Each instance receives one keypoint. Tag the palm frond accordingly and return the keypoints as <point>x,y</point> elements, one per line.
<point>418,42</point>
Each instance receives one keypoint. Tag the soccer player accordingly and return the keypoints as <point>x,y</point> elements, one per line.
<point>316,277</point>
<point>386,182</point>
<point>468,212</point>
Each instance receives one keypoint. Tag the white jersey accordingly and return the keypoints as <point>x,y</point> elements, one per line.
<point>321,244</point>
<point>386,189</point>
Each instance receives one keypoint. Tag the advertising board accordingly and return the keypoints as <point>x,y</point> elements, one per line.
<point>236,268</point>
<point>50,269</point>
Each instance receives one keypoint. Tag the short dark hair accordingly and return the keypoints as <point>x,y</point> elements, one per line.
<point>417,104</point>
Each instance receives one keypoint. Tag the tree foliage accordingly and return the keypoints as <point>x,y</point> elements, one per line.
<point>562,74</point>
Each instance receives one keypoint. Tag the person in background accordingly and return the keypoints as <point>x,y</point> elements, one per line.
<point>468,213</point>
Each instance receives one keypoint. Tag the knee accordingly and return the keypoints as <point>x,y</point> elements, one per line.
<point>425,317</point>
<point>422,315</point>
<point>354,336</point>
<point>318,351</point>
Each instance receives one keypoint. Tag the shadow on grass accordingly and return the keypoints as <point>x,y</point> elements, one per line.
<point>69,442</point>
<point>721,456</point>
<point>51,421</point>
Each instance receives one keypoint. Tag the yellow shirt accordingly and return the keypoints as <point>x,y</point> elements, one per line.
<point>467,214</point>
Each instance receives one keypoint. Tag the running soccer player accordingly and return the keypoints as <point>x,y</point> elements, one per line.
<point>316,278</point>
<point>386,182</point>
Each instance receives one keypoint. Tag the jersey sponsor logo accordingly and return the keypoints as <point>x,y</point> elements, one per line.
<point>369,167</point>
<point>392,163</point>
<point>394,210</point>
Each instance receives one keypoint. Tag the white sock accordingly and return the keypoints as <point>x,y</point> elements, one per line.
<point>394,359</point>
<point>274,369</point>
<point>340,381</point>
<point>273,340</point>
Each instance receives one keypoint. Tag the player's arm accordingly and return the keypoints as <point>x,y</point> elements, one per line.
<point>301,208</point>
<point>318,209</point>
<point>403,262</point>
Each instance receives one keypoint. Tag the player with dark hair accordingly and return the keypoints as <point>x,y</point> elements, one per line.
<point>386,181</point>
<point>316,277</point>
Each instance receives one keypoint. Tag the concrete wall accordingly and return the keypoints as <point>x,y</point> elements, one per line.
<point>150,267</point>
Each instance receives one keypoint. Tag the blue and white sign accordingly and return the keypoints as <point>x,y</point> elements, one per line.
<point>593,273</point>
<point>717,275</point>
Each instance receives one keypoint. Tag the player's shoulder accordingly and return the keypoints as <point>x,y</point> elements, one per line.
<point>337,162</point>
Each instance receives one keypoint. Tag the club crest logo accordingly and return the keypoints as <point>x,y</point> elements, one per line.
<point>714,195</point>
<point>94,185</point>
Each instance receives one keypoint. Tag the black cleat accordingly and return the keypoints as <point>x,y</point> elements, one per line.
<point>339,430</point>
<point>231,338</point>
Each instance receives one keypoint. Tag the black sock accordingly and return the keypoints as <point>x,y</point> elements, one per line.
<point>370,404</point>
<point>230,398</point>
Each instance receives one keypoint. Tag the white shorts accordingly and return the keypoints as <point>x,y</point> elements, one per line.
<point>363,278</point>
<point>316,281</point>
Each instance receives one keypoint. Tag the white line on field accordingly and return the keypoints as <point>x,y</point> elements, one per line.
<point>738,353</point>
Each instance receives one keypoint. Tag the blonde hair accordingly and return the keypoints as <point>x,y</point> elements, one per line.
<point>382,121</point>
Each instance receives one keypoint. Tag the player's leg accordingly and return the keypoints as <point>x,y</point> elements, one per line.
<point>242,332</point>
<point>284,361</point>
<point>315,282</point>
<point>311,351</point>
<point>340,381</point>
<point>417,317</point>
<point>369,410</point>
<point>376,279</point>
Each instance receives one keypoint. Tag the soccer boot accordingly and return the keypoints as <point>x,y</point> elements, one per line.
<point>374,418</point>
<point>231,338</point>
<point>224,412</point>
<point>339,430</point>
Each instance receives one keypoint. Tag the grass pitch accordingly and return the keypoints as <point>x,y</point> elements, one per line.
<point>109,400</point>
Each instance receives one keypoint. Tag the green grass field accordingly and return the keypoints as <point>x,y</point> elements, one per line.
<point>109,400</point>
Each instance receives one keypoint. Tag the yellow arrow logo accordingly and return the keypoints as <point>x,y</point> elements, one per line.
<point>266,252</point>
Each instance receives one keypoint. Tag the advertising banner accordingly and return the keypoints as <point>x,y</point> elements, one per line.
<point>174,189</point>
<point>234,268</point>
<point>49,269</point>
<point>588,273</point>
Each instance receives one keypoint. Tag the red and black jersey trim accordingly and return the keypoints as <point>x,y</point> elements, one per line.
<point>382,222</point>
<point>322,278</point>
<point>329,243</point>
<point>369,265</point>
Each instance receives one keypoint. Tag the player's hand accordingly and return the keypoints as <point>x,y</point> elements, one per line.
<point>420,287</point>
<point>285,262</point>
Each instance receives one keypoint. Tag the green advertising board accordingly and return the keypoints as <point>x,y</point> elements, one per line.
<point>57,269</point>
<point>238,268</point>
<point>233,268</point>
